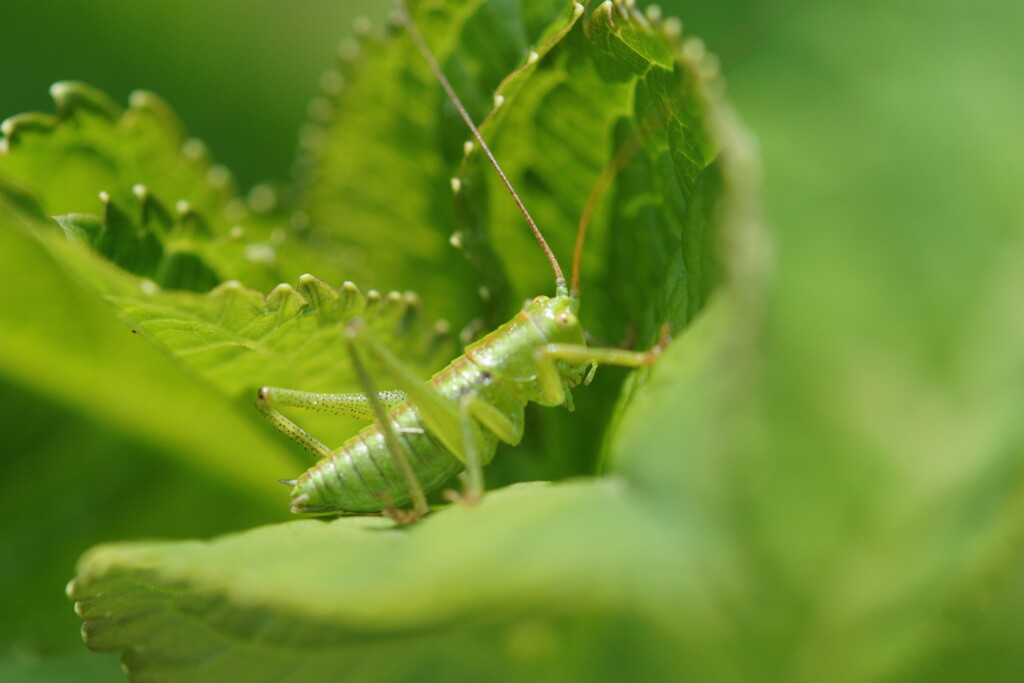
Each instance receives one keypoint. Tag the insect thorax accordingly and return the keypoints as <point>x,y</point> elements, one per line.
<point>508,352</point>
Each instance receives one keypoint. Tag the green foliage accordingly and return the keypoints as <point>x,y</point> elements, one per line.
<point>819,480</point>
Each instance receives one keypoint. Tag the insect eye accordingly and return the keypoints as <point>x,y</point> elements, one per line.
<point>563,318</point>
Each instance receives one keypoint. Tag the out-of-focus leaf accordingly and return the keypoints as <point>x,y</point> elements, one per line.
<point>536,580</point>
<point>91,145</point>
<point>77,480</point>
<point>873,475</point>
<point>56,321</point>
<point>112,441</point>
<point>132,186</point>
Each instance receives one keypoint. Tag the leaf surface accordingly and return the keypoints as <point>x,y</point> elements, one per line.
<point>377,602</point>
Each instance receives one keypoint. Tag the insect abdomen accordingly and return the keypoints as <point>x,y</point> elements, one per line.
<point>362,475</point>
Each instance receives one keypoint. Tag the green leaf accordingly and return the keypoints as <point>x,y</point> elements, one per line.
<point>306,600</point>
<point>105,438</point>
<point>76,327</point>
<point>130,185</point>
<point>91,150</point>
<point>379,161</point>
<point>628,108</point>
<point>92,146</point>
<point>237,338</point>
<point>603,97</point>
<point>156,440</point>
<point>79,479</point>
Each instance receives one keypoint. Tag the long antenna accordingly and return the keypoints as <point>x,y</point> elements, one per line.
<point>608,173</point>
<point>417,37</point>
<point>626,151</point>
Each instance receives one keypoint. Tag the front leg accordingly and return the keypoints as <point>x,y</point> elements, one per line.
<point>553,384</point>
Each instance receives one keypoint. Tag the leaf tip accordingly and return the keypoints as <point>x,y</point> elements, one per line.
<point>362,26</point>
<point>320,109</point>
<point>332,82</point>
<point>12,128</point>
<point>348,50</point>
<point>308,280</point>
<point>151,105</point>
<point>195,150</point>
<point>694,49</point>
<point>672,27</point>
<point>140,191</point>
<point>260,252</point>
<point>72,97</point>
<point>219,177</point>
<point>312,137</point>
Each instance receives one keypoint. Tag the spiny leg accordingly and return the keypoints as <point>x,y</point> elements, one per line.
<point>351,405</point>
<point>394,443</point>
<point>289,428</point>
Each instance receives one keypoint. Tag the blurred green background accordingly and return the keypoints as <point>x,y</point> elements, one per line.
<point>893,158</point>
<point>197,55</point>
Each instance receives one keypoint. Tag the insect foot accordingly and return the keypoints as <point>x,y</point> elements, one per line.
<point>468,497</point>
<point>664,339</point>
<point>402,517</point>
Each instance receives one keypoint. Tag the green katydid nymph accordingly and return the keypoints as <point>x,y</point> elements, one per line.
<point>425,433</point>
